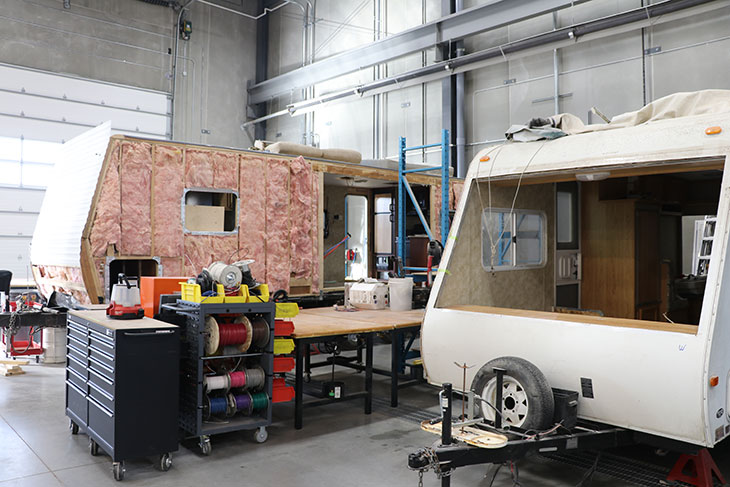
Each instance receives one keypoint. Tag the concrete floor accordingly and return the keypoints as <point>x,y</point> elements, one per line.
<point>338,446</point>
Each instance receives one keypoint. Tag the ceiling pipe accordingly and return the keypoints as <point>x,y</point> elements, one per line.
<point>471,61</point>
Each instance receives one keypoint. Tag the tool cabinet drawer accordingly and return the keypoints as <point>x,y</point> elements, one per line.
<point>101,396</point>
<point>101,342</point>
<point>76,378</point>
<point>101,421</point>
<point>101,381</point>
<point>101,357</point>
<point>77,333</point>
<point>76,400</point>
<point>76,364</point>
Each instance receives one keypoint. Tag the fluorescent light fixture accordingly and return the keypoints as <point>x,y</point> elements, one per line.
<point>592,176</point>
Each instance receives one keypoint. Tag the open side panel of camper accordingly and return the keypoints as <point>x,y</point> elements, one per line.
<point>633,334</point>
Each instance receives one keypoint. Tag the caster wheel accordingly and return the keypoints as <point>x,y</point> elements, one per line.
<point>307,378</point>
<point>74,428</point>
<point>260,435</point>
<point>37,359</point>
<point>205,447</point>
<point>165,462</point>
<point>93,448</point>
<point>118,469</point>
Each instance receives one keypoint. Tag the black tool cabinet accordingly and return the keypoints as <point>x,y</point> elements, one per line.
<point>122,386</point>
<point>194,365</point>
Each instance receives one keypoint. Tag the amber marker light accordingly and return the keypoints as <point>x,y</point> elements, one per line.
<point>714,380</point>
<point>484,159</point>
<point>713,130</point>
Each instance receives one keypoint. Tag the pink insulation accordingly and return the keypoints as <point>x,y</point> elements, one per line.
<point>168,191</point>
<point>316,179</point>
<point>172,266</point>
<point>252,214</point>
<point>278,262</point>
<point>106,228</point>
<point>301,218</point>
<point>68,280</point>
<point>225,170</point>
<point>203,250</point>
<point>199,171</point>
<point>136,175</point>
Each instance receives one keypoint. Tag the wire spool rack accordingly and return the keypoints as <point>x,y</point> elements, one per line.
<point>226,368</point>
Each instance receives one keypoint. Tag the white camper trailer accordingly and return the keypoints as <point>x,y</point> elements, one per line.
<point>566,266</point>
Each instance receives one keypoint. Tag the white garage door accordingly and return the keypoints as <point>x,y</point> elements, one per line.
<point>38,112</point>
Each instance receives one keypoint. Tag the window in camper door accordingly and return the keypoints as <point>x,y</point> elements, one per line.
<point>513,240</point>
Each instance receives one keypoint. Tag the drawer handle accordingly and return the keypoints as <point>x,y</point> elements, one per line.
<point>100,391</point>
<point>103,379</point>
<point>74,339</point>
<point>96,362</point>
<point>147,333</point>
<point>76,326</point>
<point>74,359</point>
<point>76,388</point>
<point>102,408</point>
<point>102,352</point>
<point>73,372</point>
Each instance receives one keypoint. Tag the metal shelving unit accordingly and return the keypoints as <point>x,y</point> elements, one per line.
<point>193,366</point>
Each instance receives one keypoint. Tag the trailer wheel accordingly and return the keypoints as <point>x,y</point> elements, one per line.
<point>527,399</point>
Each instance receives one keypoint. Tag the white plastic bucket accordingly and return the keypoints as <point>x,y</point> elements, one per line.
<point>401,293</point>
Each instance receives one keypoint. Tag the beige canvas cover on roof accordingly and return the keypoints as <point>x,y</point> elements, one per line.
<point>671,106</point>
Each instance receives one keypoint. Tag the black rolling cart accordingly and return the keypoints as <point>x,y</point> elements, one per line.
<point>226,367</point>
<point>121,386</point>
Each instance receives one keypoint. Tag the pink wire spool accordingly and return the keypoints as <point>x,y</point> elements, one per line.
<point>237,379</point>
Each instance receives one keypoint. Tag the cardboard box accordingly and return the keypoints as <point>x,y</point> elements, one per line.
<point>204,218</point>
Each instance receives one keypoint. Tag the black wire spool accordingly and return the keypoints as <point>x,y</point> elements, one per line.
<point>261,332</point>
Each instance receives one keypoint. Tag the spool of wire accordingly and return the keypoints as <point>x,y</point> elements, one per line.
<point>237,379</point>
<point>217,382</point>
<point>260,401</point>
<point>246,344</point>
<point>215,406</point>
<point>232,333</point>
<point>255,378</point>
<point>242,402</point>
<point>260,332</point>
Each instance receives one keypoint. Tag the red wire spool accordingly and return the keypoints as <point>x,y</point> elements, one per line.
<point>232,334</point>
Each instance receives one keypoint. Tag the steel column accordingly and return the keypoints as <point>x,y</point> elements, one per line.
<point>401,201</point>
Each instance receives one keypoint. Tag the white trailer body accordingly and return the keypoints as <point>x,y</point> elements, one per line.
<point>648,376</point>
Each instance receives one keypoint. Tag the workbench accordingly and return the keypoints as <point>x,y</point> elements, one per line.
<point>322,324</point>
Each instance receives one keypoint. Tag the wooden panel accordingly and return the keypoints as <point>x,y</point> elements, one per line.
<point>607,239</point>
<point>590,320</point>
<point>648,272</point>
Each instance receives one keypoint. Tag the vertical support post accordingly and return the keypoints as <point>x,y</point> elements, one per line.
<point>498,401</point>
<point>299,384</point>
<point>446,414</point>
<point>444,186</point>
<point>369,373</point>
<point>394,366</point>
<point>401,201</point>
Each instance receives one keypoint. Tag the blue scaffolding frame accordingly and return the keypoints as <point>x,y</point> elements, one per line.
<point>405,188</point>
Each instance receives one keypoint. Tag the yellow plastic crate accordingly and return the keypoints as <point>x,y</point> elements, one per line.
<point>191,292</point>
<point>286,310</point>
<point>283,346</point>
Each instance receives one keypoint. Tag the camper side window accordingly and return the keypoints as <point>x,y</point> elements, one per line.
<point>513,239</point>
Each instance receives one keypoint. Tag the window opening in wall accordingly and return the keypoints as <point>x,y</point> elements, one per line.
<point>210,211</point>
<point>513,240</point>
<point>132,268</point>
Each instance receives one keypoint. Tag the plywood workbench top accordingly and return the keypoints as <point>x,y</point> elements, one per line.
<point>329,322</point>
<point>100,317</point>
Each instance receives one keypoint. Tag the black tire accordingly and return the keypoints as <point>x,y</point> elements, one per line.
<point>93,448</point>
<point>118,470</point>
<point>537,397</point>
<point>74,428</point>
